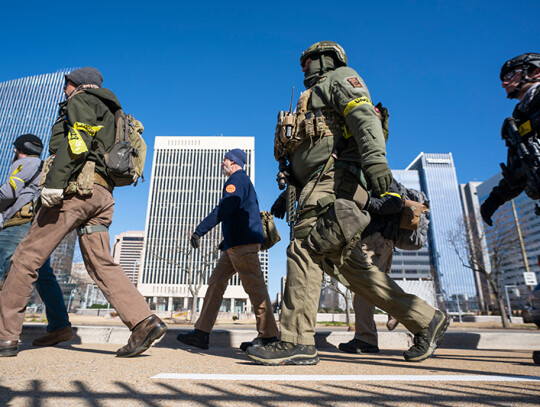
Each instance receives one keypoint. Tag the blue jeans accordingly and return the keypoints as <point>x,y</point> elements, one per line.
<point>46,284</point>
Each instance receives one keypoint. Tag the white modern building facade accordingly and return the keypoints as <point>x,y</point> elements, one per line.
<point>127,250</point>
<point>186,184</point>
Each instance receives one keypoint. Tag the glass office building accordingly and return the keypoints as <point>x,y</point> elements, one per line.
<point>504,237</point>
<point>186,185</point>
<point>28,105</point>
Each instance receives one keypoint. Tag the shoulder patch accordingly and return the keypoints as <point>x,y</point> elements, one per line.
<point>355,82</point>
<point>230,188</point>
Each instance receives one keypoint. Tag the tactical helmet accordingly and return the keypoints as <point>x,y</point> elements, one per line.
<point>527,60</point>
<point>29,144</point>
<point>325,46</point>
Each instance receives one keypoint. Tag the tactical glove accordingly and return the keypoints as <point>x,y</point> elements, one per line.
<point>488,208</point>
<point>51,196</point>
<point>221,246</point>
<point>195,240</point>
<point>380,177</point>
<point>279,208</point>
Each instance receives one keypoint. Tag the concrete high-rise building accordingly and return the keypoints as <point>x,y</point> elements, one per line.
<point>186,184</point>
<point>127,250</point>
<point>514,218</point>
<point>453,281</point>
<point>30,105</point>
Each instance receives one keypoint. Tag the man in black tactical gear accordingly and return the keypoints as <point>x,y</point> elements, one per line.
<point>332,148</point>
<point>520,78</point>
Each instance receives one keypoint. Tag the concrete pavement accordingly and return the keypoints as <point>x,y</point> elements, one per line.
<point>326,338</point>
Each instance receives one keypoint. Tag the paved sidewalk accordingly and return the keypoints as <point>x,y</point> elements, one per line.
<point>326,337</point>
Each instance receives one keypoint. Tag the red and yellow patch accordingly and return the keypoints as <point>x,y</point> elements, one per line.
<point>230,188</point>
<point>355,82</point>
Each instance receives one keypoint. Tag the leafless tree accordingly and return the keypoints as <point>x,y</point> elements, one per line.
<point>195,264</point>
<point>332,284</point>
<point>469,243</point>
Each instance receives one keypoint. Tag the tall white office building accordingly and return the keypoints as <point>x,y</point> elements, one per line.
<point>127,250</point>
<point>186,185</point>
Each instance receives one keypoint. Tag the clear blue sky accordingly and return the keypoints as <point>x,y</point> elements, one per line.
<point>214,68</point>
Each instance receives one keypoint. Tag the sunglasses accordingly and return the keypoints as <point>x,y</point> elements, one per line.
<point>511,74</point>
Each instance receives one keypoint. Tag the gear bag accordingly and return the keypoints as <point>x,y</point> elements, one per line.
<point>414,222</point>
<point>125,161</point>
<point>270,233</point>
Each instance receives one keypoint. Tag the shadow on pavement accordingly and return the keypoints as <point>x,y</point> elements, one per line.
<point>280,393</point>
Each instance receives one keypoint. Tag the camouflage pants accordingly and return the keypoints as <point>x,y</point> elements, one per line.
<point>305,269</point>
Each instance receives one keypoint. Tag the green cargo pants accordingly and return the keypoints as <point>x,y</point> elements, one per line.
<point>305,268</point>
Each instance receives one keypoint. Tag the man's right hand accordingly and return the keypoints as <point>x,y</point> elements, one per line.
<point>279,208</point>
<point>51,196</point>
<point>195,240</point>
<point>380,177</point>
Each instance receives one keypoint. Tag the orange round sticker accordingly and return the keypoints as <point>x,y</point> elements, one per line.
<point>230,188</point>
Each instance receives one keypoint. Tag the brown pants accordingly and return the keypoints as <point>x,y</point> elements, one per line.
<point>49,228</point>
<point>378,250</point>
<point>243,260</point>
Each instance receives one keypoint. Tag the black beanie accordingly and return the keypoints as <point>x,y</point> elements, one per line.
<point>29,144</point>
<point>85,76</point>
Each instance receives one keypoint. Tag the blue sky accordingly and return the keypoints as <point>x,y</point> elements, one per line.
<point>212,68</point>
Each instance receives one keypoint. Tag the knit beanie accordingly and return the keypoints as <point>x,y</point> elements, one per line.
<point>85,76</point>
<point>29,144</point>
<point>238,156</point>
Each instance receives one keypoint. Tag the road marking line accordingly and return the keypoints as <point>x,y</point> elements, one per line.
<point>354,378</point>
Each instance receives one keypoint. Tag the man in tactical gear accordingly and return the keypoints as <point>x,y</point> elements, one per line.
<point>18,199</point>
<point>520,78</point>
<point>240,218</point>
<point>333,149</point>
<point>77,194</point>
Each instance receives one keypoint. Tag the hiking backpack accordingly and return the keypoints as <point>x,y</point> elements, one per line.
<point>125,161</point>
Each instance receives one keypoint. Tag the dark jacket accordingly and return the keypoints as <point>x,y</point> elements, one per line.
<point>238,210</point>
<point>92,107</point>
<point>385,214</point>
<point>509,189</point>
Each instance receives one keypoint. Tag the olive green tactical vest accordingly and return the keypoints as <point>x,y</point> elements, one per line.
<point>311,136</point>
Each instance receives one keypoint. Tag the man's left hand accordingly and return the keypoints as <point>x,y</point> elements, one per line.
<point>195,240</point>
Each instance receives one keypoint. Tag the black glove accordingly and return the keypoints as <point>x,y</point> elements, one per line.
<point>488,208</point>
<point>195,240</point>
<point>279,208</point>
<point>221,245</point>
<point>380,177</point>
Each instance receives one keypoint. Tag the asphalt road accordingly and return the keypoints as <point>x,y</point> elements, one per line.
<point>168,375</point>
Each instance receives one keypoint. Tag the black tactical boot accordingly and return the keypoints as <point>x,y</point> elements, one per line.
<point>258,342</point>
<point>427,340</point>
<point>536,357</point>
<point>358,346</point>
<point>283,353</point>
<point>197,338</point>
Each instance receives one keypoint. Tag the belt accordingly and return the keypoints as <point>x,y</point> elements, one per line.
<point>98,179</point>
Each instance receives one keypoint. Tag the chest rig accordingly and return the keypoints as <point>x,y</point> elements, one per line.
<point>306,124</point>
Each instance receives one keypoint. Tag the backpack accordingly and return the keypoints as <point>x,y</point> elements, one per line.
<point>414,222</point>
<point>125,161</point>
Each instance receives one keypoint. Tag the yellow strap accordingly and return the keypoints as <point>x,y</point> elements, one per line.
<point>392,194</point>
<point>356,102</point>
<point>13,178</point>
<point>525,128</point>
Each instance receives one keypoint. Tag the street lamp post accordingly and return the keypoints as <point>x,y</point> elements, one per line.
<point>508,304</point>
